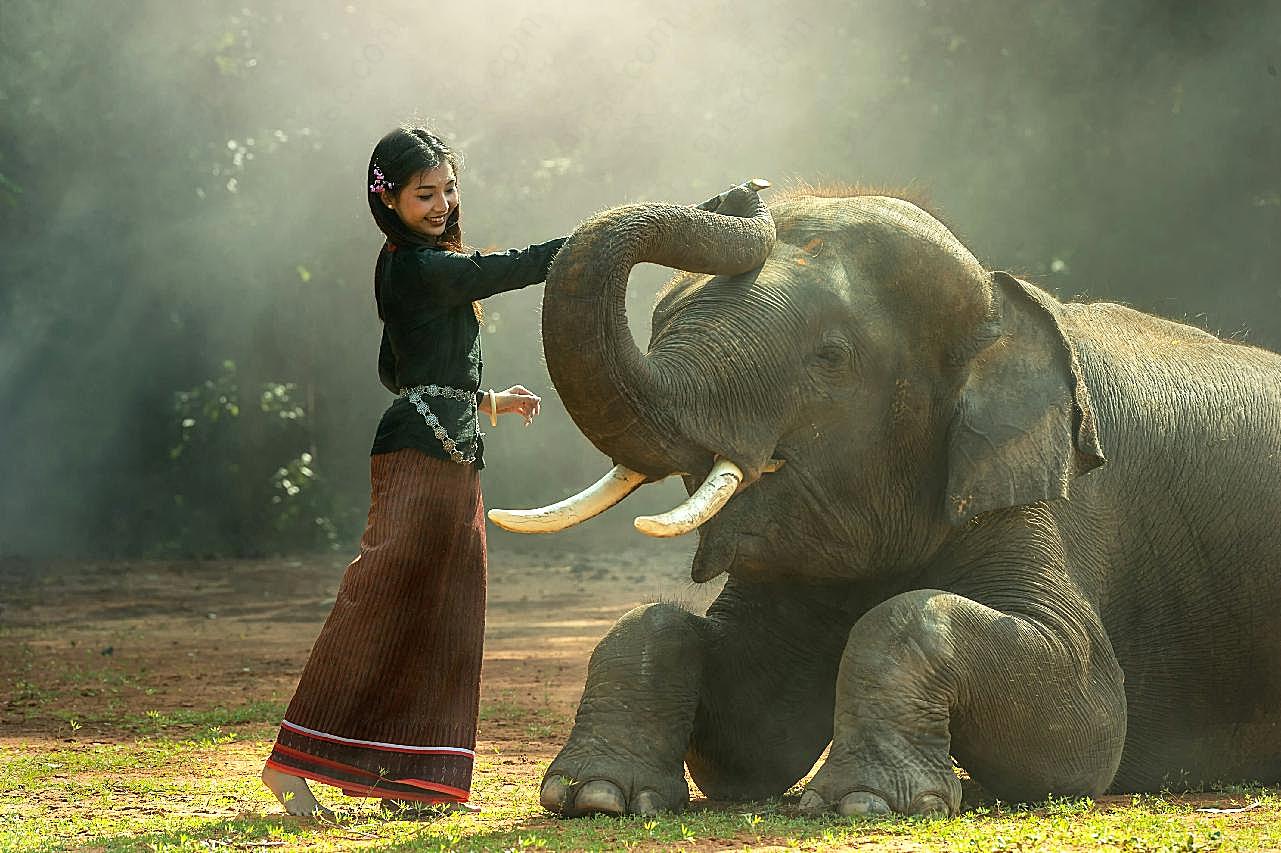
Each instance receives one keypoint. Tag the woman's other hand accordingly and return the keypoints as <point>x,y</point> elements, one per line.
<point>517,399</point>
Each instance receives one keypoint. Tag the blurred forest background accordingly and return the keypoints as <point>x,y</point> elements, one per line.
<point>187,332</point>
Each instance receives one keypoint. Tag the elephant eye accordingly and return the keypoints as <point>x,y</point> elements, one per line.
<point>833,355</point>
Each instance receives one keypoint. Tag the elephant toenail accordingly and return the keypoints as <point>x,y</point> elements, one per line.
<point>600,796</point>
<point>929,805</point>
<point>554,794</point>
<point>863,804</point>
<point>646,803</point>
<point>812,803</point>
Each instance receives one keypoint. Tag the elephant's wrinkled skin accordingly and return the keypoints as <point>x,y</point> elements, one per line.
<point>1040,537</point>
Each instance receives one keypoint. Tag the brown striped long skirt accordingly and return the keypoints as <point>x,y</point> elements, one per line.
<point>386,705</point>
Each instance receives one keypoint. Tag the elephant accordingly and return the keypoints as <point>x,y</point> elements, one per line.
<point>963,523</point>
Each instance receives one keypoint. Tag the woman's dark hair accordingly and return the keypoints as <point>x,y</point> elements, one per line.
<point>399,156</point>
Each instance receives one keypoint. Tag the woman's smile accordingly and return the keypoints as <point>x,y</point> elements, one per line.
<point>427,200</point>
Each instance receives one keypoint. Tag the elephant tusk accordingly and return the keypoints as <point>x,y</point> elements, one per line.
<point>589,503</point>
<point>715,492</point>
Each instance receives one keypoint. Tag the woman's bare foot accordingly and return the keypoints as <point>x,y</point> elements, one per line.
<point>293,793</point>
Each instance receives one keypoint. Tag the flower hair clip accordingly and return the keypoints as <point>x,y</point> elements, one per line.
<point>380,182</point>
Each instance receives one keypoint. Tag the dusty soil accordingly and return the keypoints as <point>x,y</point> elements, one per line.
<point>105,643</point>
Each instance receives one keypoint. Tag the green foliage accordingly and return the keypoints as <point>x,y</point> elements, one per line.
<point>205,405</point>
<point>180,179</point>
<point>9,191</point>
<point>245,463</point>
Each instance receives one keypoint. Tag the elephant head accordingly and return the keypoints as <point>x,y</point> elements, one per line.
<point>845,341</point>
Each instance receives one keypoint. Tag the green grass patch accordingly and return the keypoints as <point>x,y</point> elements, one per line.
<point>160,794</point>
<point>157,722</point>
<point>29,770</point>
<point>253,712</point>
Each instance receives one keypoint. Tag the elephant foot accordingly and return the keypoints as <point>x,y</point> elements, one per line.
<point>625,754</point>
<point>856,789</point>
<point>869,805</point>
<point>576,788</point>
<point>596,797</point>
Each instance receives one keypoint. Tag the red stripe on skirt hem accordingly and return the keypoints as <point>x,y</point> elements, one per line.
<point>337,765</point>
<point>352,789</point>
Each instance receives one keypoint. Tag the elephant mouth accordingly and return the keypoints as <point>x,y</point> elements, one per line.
<point>722,482</point>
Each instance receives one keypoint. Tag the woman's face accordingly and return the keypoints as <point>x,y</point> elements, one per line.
<point>426,201</point>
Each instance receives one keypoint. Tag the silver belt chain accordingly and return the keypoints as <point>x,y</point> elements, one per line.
<point>415,396</point>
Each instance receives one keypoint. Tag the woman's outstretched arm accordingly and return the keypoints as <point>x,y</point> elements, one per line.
<point>455,278</point>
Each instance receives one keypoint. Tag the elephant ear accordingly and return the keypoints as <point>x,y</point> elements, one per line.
<point>1024,426</point>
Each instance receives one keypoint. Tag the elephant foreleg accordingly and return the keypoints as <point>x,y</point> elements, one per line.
<point>1030,703</point>
<point>744,695</point>
<point>765,714</point>
<point>626,751</point>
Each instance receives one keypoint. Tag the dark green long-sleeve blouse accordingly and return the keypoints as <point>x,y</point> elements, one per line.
<point>431,336</point>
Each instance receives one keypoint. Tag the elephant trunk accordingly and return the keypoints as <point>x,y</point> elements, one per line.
<point>617,396</point>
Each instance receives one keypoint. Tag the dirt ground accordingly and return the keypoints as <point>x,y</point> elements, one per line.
<point>112,642</point>
<point>95,653</point>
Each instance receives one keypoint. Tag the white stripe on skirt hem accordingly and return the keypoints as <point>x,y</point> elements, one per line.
<point>458,750</point>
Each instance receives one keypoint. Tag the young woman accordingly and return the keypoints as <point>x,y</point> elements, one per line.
<point>387,703</point>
